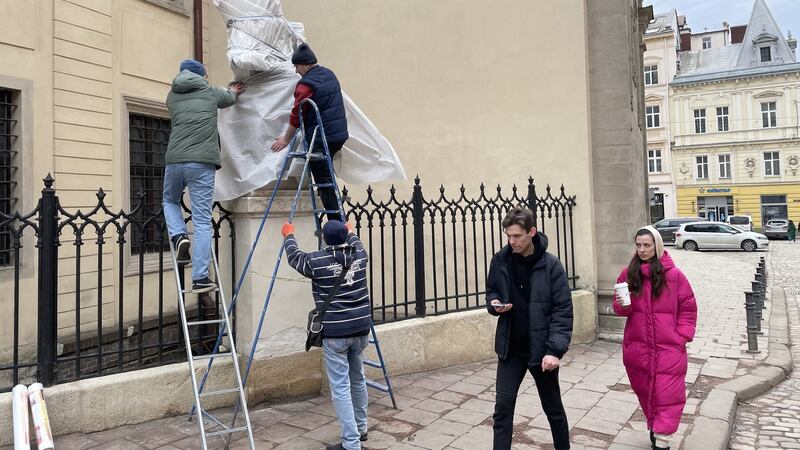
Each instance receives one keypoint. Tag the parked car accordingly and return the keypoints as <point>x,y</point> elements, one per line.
<point>741,223</point>
<point>777,229</point>
<point>668,227</point>
<point>717,235</point>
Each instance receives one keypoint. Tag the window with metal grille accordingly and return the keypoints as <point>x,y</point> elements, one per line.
<point>8,167</point>
<point>148,141</point>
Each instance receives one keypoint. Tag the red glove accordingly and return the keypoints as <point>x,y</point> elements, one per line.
<point>287,229</point>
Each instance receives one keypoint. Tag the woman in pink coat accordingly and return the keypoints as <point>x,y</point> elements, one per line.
<point>661,320</point>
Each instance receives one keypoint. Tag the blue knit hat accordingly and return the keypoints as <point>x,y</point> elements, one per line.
<point>335,232</point>
<point>303,55</point>
<point>193,66</point>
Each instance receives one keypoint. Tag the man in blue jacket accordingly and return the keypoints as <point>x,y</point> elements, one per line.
<point>320,85</point>
<point>527,287</point>
<point>346,324</point>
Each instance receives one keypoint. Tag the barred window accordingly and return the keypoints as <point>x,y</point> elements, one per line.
<point>149,137</point>
<point>8,167</point>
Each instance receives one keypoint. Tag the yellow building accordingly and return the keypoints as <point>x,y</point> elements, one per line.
<point>736,125</point>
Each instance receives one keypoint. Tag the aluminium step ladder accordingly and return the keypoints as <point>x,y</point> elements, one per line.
<point>218,428</point>
<point>306,154</point>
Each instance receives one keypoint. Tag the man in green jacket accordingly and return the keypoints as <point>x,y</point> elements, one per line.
<point>191,160</point>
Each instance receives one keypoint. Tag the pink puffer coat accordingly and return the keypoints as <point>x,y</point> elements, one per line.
<point>654,345</point>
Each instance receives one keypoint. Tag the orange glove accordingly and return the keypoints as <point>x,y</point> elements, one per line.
<point>349,226</point>
<point>287,229</point>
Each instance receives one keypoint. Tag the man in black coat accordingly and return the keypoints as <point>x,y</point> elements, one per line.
<point>527,288</point>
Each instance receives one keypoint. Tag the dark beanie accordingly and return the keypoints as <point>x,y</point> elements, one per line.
<point>303,55</point>
<point>193,66</point>
<point>335,232</point>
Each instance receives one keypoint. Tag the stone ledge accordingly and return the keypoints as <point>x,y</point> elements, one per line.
<point>714,423</point>
<point>712,434</point>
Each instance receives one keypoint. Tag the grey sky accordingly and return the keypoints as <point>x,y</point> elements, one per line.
<point>711,13</point>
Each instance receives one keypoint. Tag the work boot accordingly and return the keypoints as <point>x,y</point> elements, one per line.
<point>182,244</point>
<point>203,285</point>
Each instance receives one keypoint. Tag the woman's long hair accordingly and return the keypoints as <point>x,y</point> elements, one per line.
<point>635,270</point>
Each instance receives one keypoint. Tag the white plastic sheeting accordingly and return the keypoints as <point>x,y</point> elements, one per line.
<point>260,44</point>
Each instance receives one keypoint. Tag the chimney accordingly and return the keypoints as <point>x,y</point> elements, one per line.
<point>792,45</point>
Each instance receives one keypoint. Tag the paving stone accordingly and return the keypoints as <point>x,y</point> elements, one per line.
<point>418,416</point>
<point>436,406</point>
<point>479,438</point>
<point>308,420</point>
<point>599,425</point>
<point>430,440</point>
<point>449,427</point>
<point>466,388</point>
<point>466,416</point>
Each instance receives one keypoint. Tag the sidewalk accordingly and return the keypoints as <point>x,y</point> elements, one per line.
<point>451,408</point>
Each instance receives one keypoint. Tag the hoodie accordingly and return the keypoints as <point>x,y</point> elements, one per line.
<point>193,105</point>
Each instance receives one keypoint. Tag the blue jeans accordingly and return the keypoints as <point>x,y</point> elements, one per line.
<point>199,178</point>
<point>343,361</point>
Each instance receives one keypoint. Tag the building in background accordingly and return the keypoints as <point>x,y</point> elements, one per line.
<point>735,124</point>
<point>662,39</point>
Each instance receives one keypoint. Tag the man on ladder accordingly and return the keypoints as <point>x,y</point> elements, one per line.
<point>192,158</point>
<point>340,269</point>
<point>320,85</point>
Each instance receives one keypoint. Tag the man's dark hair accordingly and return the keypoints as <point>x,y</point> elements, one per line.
<point>519,216</point>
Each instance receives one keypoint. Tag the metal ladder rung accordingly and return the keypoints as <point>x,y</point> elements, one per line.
<point>378,386</point>
<point>211,355</point>
<point>226,431</point>
<point>327,211</point>
<point>314,156</point>
<point>371,363</point>
<point>191,291</point>
<point>204,322</point>
<point>219,392</point>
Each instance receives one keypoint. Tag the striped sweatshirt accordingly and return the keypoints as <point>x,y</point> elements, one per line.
<point>349,314</point>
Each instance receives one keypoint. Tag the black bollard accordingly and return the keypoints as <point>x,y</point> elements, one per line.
<point>752,322</point>
<point>763,290</point>
<point>756,294</point>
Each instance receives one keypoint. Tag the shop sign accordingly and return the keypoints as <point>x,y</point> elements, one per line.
<point>713,190</point>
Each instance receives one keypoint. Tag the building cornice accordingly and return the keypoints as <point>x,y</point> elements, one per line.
<point>737,144</point>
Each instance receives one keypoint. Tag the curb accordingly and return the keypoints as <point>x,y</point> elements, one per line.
<point>714,424</point>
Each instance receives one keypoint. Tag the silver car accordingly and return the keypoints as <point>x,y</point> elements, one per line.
<point>717,235</point>
<point>777,229</point>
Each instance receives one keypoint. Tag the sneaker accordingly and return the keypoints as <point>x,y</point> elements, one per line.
<point>203,285</point>
<point>338,446</point>
<point>181,244</point>
<point>364,437</point>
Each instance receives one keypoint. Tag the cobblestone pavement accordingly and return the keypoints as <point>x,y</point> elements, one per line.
<point>772,421</point>
<point>451,408</point>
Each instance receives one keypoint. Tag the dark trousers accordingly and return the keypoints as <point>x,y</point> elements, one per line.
<point>323,174</point>
<point>510,373</point>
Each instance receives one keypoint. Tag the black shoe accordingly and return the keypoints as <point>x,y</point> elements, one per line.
<point>203,285</point>
<point>652,438</point>
<point>181,244</point>
<point>364,437</point>
<point>338,446</point>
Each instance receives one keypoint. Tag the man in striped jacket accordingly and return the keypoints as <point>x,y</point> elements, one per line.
<point>346,324</point>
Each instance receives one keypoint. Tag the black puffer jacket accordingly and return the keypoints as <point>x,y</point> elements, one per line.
<point>550,304</point>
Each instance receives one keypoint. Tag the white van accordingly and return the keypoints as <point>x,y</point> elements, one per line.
<point>741,223</point>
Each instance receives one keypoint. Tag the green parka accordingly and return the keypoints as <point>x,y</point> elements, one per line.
<point>193,105</point>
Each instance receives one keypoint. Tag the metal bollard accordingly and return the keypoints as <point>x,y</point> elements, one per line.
<point>750,309</point>
<point>756,294</point>
<point>763,285</point>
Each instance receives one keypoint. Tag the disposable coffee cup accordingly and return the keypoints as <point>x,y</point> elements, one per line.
<point>622,292</point>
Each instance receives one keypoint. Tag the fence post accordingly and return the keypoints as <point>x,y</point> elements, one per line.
<point>757,299</point>
<point>48,275</point>
<point>532,201</point>
<point>419,248</point>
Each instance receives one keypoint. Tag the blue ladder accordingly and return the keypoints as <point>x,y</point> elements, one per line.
<point>307,155</point>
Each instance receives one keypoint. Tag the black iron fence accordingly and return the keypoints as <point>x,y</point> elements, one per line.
<point>431,255</point>
<point>105,295</point>
<point>105,292</point>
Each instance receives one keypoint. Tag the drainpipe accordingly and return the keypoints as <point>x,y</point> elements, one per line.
<point>198,29</point>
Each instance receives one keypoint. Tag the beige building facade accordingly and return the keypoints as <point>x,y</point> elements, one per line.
<point>735,112</point>
<point>466,94</point>
<point>662,39</point>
